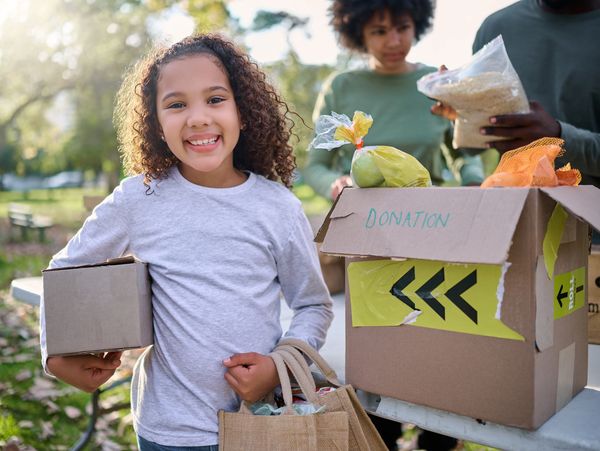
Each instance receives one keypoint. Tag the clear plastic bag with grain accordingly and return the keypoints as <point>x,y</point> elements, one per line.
<point>486,86</point>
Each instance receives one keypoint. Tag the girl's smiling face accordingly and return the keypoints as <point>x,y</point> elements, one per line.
<point>388,41</point>
<point>199,119</point>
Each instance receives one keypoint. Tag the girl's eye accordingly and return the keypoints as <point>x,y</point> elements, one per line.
<point>176,105</point>
<point>215,100</point>
<point>378,31</point>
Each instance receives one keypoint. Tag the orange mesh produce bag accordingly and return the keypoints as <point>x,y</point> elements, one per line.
<point>533,165</point>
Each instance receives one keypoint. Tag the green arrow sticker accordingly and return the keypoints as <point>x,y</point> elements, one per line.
<point>438,295</point>
<point>569,292</point>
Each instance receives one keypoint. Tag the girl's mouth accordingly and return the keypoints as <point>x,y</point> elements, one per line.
<point>203,144</point>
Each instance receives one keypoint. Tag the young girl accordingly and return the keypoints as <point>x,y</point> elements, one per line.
<point>208,139</point>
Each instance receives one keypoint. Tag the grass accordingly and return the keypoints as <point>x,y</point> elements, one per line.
<point>38,412</point>
<point>65,206</point>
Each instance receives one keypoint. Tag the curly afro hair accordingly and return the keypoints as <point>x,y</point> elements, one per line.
<point>263,144</point>
<point>348,17</point>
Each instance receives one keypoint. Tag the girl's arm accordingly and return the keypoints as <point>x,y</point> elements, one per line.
<point>102,236</point>
<point>253,375</point>
<point>303,286</point>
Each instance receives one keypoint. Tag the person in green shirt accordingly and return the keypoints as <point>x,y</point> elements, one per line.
<point>553,46</point>
<point>385,30</point>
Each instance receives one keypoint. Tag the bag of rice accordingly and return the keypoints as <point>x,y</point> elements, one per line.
<point>487,86</point>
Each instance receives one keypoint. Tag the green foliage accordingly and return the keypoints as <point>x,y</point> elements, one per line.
<point>8,427</point>
<point>78,50</point>
<point>299,85</point>
<point>312,203</point>
<point>267,19</point>
<point>208,15</point>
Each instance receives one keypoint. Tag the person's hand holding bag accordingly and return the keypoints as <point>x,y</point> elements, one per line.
<point>251,375</point>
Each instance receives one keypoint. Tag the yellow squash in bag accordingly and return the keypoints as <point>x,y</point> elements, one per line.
<point>372,166</point>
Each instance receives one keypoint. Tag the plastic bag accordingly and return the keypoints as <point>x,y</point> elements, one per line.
<point>372,166</point>
<point>533,165</point>
<point>486,86</point>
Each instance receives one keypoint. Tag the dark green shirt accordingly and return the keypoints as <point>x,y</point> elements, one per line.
<point>401,118</point>
<point>557,57</point>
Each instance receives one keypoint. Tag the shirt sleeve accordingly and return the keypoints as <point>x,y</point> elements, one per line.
<point>102,236</point>
<point>303,286</point>
<point>582,149</point>
<point>319,172</point>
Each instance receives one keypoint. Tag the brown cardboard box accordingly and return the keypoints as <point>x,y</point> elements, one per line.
<point>460,304</point>
<point>594,297</point>
<point>97,308</point>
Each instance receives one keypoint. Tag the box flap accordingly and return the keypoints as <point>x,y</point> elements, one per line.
<point>111,261</point>
<point>583,201</point>
<point>468,225</point>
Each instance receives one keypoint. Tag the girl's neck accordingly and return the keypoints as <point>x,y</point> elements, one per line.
<point>403,68</point>
<point>212,179</point>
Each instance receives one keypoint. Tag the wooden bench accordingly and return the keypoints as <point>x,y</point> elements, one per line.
<point>21,217</point>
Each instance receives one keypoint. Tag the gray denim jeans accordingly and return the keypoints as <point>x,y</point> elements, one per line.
<point>146,445</point>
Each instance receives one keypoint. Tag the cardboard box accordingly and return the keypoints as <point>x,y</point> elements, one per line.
<point>594,297</point>
<point>470,300</point>
<point>98,308</point>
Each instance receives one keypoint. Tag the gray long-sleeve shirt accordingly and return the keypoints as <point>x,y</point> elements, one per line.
<point>219,260</point>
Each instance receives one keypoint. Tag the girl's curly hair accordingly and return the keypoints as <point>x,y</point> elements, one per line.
<point>349,17</point>
<point>263,144</point>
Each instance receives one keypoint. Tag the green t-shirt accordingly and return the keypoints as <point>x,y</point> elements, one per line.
<point>557,57</point>
<point>401,118</point>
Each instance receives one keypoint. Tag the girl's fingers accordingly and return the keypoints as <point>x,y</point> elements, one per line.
<point>232,381</point>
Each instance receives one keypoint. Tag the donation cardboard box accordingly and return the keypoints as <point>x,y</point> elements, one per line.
<point>594,297</point>
<point>467,300</point>
<point>97,308</point>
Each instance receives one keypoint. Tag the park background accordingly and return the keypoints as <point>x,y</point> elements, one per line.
<point>61,63</point>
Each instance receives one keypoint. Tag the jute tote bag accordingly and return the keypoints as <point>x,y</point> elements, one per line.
<point>325,431</point>
<point>363,435</point>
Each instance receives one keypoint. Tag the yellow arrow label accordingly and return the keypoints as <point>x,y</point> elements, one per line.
<point>455,297</point>
<point>569,292</point>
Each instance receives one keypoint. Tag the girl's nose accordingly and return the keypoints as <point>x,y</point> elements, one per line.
<point>393,37</point>
<point>199,117</point>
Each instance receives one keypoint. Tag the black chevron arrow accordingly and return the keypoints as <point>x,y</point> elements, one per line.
<point>454,294</point>
<point>401,284</point>
<point>425,293</point>
<point>560,296</point>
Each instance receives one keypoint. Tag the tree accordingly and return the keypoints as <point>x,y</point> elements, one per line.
<point>290,74</point>
<point>32,67</point>
<point>111,36</point>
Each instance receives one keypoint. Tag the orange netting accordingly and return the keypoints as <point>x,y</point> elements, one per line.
<point>533,165</point>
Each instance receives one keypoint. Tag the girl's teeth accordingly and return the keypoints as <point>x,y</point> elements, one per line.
<point>203,142</point>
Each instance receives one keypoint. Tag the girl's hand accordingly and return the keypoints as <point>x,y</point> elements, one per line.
<point>338,185</point>
<point>251,375</point>
<point>443,110</point>
<point>86,372</point>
